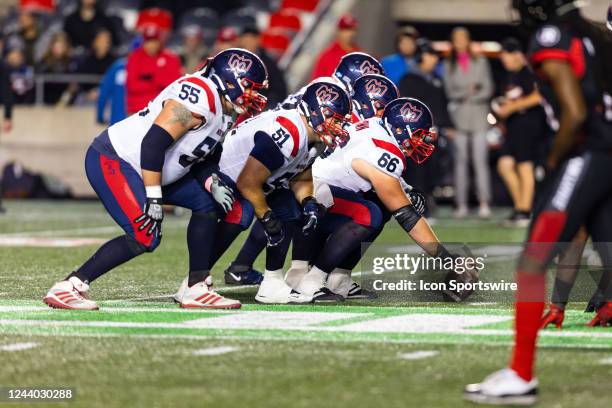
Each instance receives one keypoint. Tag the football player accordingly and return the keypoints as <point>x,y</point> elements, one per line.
<point>572,55</point>
<point>273,151</point>
<point>241,272</point>
<point>144,161</point>
<point>373,160</point>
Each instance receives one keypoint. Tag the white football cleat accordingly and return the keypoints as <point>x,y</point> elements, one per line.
<point>339,281</point>
<point>184,284</point>
<point>296,273</point>
<point>274,290</point>
<point>503,387</point>
<point>200,296</point>
<point>70,294</point>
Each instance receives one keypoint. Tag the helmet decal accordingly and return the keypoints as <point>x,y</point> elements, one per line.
<point>326,94</point>
<point>367,67</point>
<point>411,112</point>
<point>239,63</point>
<point>376,87</point>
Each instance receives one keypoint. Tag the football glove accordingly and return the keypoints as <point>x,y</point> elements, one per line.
<point>152,216</point>
<point>312,212</point>
<point>220,191</point>
<point>555,315</point>
<point>273,228</point>
<point>418,201</point>
<point>467,276</point>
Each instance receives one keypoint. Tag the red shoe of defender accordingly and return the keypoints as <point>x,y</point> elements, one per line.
<point>603,317</point>
<point>555,315</point>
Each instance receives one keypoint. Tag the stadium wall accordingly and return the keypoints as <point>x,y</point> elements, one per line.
<point>52,141</point>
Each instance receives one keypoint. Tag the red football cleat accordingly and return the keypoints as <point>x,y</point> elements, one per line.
<point>554,316</point>
<point>603,317</point>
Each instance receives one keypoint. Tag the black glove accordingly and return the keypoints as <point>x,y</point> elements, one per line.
<point>467,276</point>
<point>418,201</point>
<point>152,216</point>
<point>312,212</point>
<point>273,228</point>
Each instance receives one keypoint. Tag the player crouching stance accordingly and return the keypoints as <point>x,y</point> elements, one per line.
<point>272,151</point>
<point>373,159</point>
<point>145,160</point>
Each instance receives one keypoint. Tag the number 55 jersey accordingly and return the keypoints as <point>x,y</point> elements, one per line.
<point>196,93</point>
<point>368,141</point>
<point>277,138</point>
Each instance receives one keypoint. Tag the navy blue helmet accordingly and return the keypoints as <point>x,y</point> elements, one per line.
<point>326,107</point>
<point>240,75</point>
<point>371,93</point>
<point>411,123</point>
<point>354,65</point>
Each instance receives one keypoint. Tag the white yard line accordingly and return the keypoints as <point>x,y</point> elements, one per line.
<point>215,351</point>
<point>417,355</point>
<point>606,361</point>
<point>18,346</point>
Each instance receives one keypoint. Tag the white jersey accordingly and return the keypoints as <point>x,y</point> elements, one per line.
<point>197,94</point>
<point>285,128</point>
<point>369,141</point>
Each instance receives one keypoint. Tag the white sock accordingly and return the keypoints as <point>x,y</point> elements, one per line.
<point>299,265</point>
<point>277,274</point>
<point>340,281</point>
<point>316,273</point>
<point>340,271</point>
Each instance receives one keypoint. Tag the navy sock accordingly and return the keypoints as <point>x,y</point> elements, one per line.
<point>226,234</point>
<point>202,227</point>
<point>340,244</point>
<point>275,256</point>
<point>252,247</point>
<point>110,255</point>
<point>352,259</point>
<point>303,245</point>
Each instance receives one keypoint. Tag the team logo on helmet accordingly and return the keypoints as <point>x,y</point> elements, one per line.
<point>368,68</point>
<point>239,63</point>
<point>411,112</point>
<point>326,94</point>
<point>375,87</point>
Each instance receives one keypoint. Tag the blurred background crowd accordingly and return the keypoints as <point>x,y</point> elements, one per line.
<point>114,56</point>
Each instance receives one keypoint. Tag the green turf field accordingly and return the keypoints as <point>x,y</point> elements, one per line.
<point>140,350</point>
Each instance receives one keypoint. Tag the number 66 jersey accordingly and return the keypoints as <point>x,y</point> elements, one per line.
<point>200,96</point>
<point>368,141</point>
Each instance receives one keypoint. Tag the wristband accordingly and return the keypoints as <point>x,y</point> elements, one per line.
<point>153,191</point>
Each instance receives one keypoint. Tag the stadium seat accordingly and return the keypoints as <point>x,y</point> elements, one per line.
<point>302,5</point>
<point>37,5</point>
<point>155,17</point>
<point>275,42</point>
<point>285,20</point>
<point>244,17</point>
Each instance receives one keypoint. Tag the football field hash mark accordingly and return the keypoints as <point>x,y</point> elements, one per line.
<point>18,346</point>
<point>418,355</point>
<point>215,351</point>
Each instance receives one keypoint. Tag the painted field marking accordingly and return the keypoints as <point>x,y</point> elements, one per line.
<point>606,361</point>
<point>215,351</point>
<point>417,355</point>
<point>18,346</point>
<point>42,242</point>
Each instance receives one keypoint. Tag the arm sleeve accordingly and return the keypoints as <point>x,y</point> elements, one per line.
<point>267,152</point>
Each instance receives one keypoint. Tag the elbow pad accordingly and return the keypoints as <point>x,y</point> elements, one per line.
<point>153,148</point>
<point>407,217</point>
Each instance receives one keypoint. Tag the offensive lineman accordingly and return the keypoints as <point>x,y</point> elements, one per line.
<point>572,55</point>
<point>145,160</point>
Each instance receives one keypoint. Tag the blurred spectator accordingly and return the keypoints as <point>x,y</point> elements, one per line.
<point>469,87</point>
<point>96,62</point>
<point>397,65</point>
<point>21,76</point>
<point>422,83</point>
<point>150,69</point>
<point>525,122</point>
<point>193,51</point>
<point>6,96</point>
<point>250,39</point>
<point>57,60</point>
<point>227,37</point>
<point>28,37</point>
<point>345,43</point>
<point>112,90</point>
<point>83,25</point>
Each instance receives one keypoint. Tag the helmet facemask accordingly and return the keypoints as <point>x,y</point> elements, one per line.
<point>419,146</point>
<point>247,99</point>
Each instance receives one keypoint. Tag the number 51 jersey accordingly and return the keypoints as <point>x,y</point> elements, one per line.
<point>368,141</point>
<point>199,95</point>
<point>287,131</point>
